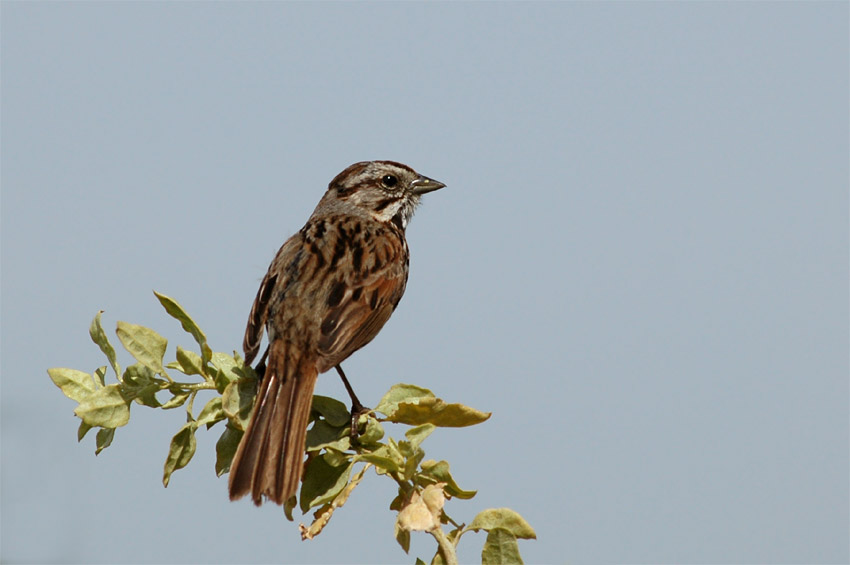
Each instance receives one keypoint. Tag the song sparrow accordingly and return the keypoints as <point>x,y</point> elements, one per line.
<point>328,291</point>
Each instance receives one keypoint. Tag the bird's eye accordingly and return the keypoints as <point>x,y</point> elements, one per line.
<point>389,181</point>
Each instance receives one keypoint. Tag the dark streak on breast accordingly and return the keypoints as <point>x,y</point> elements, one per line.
<point>339,251</point>
<point>336,294</point>
<point>320,258</point>
<point>357,257</point>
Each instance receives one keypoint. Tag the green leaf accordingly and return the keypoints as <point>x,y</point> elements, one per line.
<point>401,393</point>
<point>417,435</point>
<point>99,337</point>
<point>225,449</point>
<point>188,362</point>
<point>323,435</point>
<point>176,311</point>
<point>211,413</point>
<point>500,549</point>
<point>288,506</point>
<point>179,399</point>
<point>419,562</point>
<point>238,402</point>
<point>74,384</point>
<point>332,410</point>
<point>182,448</point>
<point>147,346</point>
<point>322,516</point>
<point>335,457</point>
<point>439,472</point>
<point>228,370</point>
<point>435,411</point>
<point>107,407</point>
<point>504,519</point>
<point>322,482</point>
<point>103,439</point>
<point>100,376</point>
<point>383,458</point>
<point>140,384</point>
<point>82,431</point>
<point>402,536</point>
<point>374,432</point>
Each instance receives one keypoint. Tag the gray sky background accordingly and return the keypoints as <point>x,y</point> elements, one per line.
<point>640,264</point>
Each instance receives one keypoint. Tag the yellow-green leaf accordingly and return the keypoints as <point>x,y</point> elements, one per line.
<point>323,515</point>
<point>211,413</point>
<point>179,399</point>
<point>416,435</point>
<point>332,410</point>
<point>103,439</point>
<point>374,431</point>
<point>188,362</point>
<point>181,450</point>
<point>383,458</point>
<point>500,549</point>
<point>435,411</point>
<point>76,385</point>
<point>82,431</point>
<point>322,482</point>
<point>322,435</point>
<point>225,449</point>
<point>147,346</point>
<point>99,337</point>
<point>107,407</point>
<point>139,384</point>
<point>176,311</point>
<point>227,370</point>
<point>401,393</point>
<point>439,472</point>
<point>505,519</point>
<point>100,376</point>
<point>238,402</point>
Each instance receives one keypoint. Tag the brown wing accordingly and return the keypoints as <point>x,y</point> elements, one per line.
<point>257,318</point>
<point>282,271</point>
<point>361,312</point>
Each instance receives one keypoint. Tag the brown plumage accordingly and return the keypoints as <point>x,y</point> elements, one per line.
<point>329,290</point>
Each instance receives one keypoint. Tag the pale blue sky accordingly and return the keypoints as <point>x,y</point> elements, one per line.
<point>639,265</point>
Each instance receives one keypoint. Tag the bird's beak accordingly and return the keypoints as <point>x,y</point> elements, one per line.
<point>423,184</point>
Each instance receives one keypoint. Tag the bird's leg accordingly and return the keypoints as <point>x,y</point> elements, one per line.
<point>357,409</point>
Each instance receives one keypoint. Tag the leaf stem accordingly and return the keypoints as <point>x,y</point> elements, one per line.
<point>447,548</point>
<point>189,416</point>
<point>192,386</point>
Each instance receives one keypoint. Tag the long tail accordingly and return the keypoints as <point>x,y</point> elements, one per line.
<point>270,458</point>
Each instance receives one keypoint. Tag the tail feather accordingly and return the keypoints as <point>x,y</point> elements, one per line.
<point>270,458</point>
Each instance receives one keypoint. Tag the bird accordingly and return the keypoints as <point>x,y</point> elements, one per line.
<point>328,292</point>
